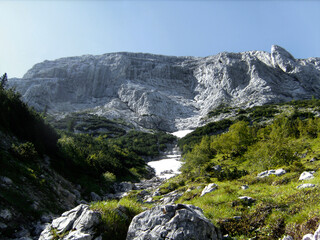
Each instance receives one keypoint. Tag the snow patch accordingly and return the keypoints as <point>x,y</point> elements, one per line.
<point>181,133</point>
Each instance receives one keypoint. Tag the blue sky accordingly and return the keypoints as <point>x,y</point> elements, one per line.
<point>34,31</point>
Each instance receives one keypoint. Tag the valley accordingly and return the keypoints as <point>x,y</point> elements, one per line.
<point>107,147</point>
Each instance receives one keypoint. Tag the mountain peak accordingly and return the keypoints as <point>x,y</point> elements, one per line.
<point>167,92</point>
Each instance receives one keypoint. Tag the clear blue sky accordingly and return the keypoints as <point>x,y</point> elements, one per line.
<point>34,31</point>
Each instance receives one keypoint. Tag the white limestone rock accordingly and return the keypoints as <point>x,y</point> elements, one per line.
<point>209,188</point>
<point>306,175</point>
<point>175,222</point>
<point>164,92</point>
<point>277,172</point>
<point>79,221</point>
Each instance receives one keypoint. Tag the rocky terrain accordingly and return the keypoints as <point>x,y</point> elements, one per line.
<point>164,92</point>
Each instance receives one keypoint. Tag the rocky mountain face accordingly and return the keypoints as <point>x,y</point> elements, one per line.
<point>164,92</point>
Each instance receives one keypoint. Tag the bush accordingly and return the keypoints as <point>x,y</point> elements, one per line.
<point>25,152</point>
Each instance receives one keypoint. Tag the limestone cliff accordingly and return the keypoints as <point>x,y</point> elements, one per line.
<point>167,92</point>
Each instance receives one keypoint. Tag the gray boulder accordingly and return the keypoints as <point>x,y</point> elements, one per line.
<point>79,221</point>
<point>306,175</point>
<point>209,188</point>
<point>172,222</point>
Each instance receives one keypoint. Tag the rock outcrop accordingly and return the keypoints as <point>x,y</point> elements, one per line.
<point>172,222</point>
<point>164,92</point>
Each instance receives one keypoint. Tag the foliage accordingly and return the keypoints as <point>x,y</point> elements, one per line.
<point>117,216</point>
<point>145,144</point>
<point>25,151</point>
<point>18,119</point>
<point>90,123</point>
<point>187,143</point>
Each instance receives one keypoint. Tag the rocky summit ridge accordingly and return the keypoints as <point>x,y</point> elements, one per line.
<point>166,92</point>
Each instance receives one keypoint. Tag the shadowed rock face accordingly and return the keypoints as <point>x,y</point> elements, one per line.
<point>164,92</point>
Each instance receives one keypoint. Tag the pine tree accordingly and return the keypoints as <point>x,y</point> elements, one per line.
<point>4,80</point>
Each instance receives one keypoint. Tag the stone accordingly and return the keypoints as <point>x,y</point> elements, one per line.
<point>3,225</point>
<point>287,237</point>
<point>306,185</point>
<point>209,188</point>
<point>306,175</point>
<point>123,187</point>
<point>95,197</point>
<point>87,220</point>
<point>6,214</point>
<point>278,172</point>
<point>6,180</point>
<point>244,187</point>
<point>46,233</point>
<point>65,222</point>
<point>78,235</point>
<point>175,222</point>
<point>166,92</point>
<point>308,237</point>
<point>313,159</point>
<point>247,200</point>
<point>79,221</point>
<point>217,168</point>
<point>156,193</point>
<point>171,197</point>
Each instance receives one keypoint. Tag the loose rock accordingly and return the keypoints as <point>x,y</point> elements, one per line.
<point>306,185</point>
<point>209,188</point>
<point>306,175</point>
<point>267,173</point>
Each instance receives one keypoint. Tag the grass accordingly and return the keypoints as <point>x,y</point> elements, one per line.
<point>279,205</point>
<point>116,216</point>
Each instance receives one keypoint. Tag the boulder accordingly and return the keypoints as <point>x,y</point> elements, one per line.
<point>6,180</point>
<point>172,222</point>
<point>209,188</point>
<point>65,222</point>
<point>6,214</point>
<point>79,221</point>
<point>306,175</point>
<point>247,200</point>
<point>123,187</point>
<point>267,173</point>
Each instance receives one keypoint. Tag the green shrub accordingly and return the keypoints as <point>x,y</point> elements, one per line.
<point>25,152</point>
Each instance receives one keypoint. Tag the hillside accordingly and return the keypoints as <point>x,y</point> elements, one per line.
<point>45,171</point>
<point>79,131</point>
<point>163,92</point>
<point>254,175</point>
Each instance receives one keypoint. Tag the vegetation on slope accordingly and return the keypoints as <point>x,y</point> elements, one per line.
<point>33,156</point>
<point>278,136</point>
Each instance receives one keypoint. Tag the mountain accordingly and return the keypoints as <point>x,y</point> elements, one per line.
<point>165,92</point>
